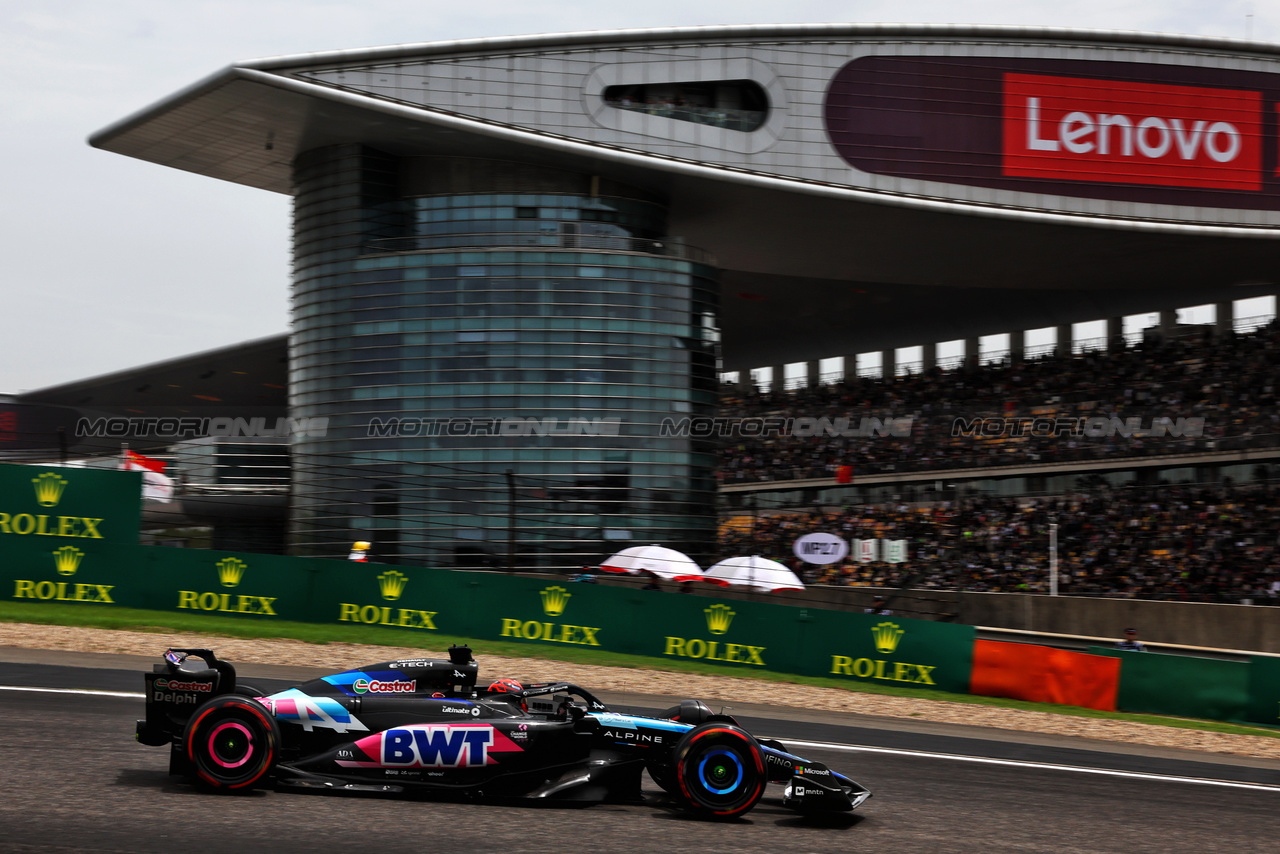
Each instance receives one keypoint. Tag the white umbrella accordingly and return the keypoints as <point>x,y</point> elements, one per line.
<point>754,571</point>
<point>667,564</point>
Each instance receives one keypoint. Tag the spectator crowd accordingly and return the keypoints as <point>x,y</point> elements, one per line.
<point>1198,544</point>
<point>1229,382</point>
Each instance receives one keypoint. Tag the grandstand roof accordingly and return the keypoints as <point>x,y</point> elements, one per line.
<point>826,249</point>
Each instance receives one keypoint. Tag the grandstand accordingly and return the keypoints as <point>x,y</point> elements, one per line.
<point>498,229</point>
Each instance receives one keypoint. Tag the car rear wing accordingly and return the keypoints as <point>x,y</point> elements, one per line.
<point>178,685</point>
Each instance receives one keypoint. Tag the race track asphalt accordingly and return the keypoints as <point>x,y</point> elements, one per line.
<point>73,779</point>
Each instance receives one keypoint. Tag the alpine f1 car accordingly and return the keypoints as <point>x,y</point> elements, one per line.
<point>421,725</point>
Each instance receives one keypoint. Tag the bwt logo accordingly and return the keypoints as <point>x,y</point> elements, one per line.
<point>1096,427</point>
<point>190,428</point>
<point>437,746</point>
<point>799,427</point>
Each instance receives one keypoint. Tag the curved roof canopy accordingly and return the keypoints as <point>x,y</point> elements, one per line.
<point>908,183</point>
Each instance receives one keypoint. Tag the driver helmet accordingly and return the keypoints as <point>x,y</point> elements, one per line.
<point>506,686</point>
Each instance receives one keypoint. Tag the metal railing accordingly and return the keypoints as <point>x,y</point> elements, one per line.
<point>667,247</point>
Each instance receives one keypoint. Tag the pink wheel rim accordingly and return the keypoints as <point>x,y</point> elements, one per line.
<point>213,747</point>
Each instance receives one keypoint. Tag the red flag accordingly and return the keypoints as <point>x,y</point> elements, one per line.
<point>134,461</point>
<point>156,485</point>
<point>844,474</point>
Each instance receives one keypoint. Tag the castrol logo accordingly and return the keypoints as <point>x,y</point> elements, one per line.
<point>174,685</point>
<point>374,686</point>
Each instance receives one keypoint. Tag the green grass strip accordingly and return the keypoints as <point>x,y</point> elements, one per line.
<point>164,622</point>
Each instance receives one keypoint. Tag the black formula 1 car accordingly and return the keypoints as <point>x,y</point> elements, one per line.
<point>421,725</point>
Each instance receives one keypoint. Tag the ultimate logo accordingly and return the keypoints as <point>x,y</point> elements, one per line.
<point>230,571</point>
<point>719,617</point>
<point>554,602</point>
<point>391,586</point>
<point>886,637</point>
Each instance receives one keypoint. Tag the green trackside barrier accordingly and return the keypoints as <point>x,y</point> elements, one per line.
<point>1264,690</point>
<point>68,506</point>
<point>161,579</point>
<point>742,634</point>
<point>1155,683</point>
<point>448,605</point>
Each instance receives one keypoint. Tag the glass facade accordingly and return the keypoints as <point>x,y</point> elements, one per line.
<point>496,349</point>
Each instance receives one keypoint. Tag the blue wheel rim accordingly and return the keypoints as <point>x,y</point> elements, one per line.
<point>721,771</point>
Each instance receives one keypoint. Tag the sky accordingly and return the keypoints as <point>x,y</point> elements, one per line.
<point>110,262</point>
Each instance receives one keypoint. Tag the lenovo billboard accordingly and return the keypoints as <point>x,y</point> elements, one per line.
<point>1131,132</point>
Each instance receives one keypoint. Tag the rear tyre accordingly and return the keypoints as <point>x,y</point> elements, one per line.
<point>720,771</point>
<point>232,743</point>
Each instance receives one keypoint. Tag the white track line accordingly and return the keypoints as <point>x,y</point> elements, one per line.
<point>1133,775</point>
<point>86,692</point>
<point>823,745</point>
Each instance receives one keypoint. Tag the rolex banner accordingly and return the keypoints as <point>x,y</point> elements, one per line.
<point>68,506</point>
<point>106,575</point>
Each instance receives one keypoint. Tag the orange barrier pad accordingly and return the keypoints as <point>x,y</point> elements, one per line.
<point>1023,671</point>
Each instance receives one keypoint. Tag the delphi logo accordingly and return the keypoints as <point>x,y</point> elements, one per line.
<point>887,636</point>
<point>67,560</point>
<point>391,584</point>
<point>718,619</point>
<point>554,601</point>
<point>49,489</point>
<point>230,571</point>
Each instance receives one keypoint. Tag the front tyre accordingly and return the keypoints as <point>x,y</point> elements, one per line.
<point>719,770</point>
<point>232,743</point>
